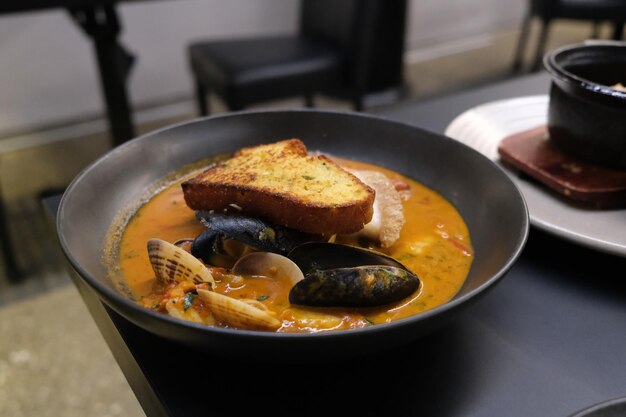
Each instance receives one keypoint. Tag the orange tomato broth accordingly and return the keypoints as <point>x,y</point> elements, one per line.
<point>434,244</point>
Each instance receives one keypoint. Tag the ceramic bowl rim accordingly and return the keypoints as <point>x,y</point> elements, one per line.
<point>119,302</point>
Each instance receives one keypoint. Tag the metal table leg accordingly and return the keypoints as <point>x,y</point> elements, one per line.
<point>11,269</point>
<point>102,25</point>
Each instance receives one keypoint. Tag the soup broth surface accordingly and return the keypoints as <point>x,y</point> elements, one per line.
<point>434,244</point>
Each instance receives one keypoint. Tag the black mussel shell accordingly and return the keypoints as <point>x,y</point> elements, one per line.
<point>314,256</point>
<point>362,286</point>
<point>257,233</point>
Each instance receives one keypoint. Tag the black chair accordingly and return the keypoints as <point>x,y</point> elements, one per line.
<point>595,11</point>
<point>9,266</point>
<point>335,52</point>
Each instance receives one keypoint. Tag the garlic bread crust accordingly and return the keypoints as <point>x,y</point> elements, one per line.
<point>281,183</point>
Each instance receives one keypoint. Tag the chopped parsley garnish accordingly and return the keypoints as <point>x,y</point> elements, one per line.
<point>263,297</point>
<point>267,233</point>
<point>308,177</point>
<point>188,300</point>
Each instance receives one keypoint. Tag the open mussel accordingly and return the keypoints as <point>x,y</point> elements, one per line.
<point>361,286</point>
<point>346,276</point>
<point>312,256</point>
<point>228,235</point>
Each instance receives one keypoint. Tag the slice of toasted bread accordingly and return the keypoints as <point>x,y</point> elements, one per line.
<point>281,183</point>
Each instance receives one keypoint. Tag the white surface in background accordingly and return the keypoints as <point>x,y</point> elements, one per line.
<point>48,70</point>
<point>484,126</point>
<point>48,73</point>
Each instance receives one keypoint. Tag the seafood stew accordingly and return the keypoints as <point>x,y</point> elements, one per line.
<point>98,204</point>
<point>236,279</point>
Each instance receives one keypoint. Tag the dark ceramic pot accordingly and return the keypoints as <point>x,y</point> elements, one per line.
<point>586,117</point>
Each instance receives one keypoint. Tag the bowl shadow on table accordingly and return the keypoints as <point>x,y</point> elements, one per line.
<point>582,269</point>
<point>417,378</point>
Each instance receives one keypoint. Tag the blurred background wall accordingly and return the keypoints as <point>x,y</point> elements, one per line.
<point>44,56</point>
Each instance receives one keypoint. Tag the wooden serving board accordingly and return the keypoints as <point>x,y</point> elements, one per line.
<point>532,153</point>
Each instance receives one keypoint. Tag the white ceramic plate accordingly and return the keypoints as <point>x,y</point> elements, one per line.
<point>484,126</point>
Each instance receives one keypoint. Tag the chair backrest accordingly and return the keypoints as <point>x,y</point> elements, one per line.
<point>579,9</point>
<point>365,31</point>
<point>331,20</point>
<point>544,8</point>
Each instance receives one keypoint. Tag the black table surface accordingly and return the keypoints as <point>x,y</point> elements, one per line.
<point>548,340</point>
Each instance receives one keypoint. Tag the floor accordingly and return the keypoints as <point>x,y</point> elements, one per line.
<point>42,374</point>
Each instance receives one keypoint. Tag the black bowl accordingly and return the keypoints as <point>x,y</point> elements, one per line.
<point>490,203</point>
<point>611,408</point>
<point>587,118</point>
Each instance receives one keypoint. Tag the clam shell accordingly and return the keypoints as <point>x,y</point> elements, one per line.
<point>268,265</point>
<point>238,314</point>
<point>173,264</point>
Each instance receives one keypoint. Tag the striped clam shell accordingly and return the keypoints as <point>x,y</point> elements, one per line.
<point>173,264</point>
<point>237,313</point>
